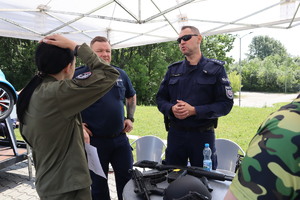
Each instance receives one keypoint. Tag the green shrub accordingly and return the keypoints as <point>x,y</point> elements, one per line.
<point>235,80</point>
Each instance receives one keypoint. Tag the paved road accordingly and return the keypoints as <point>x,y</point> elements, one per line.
<point>260,99</point>
<point>15,183</point>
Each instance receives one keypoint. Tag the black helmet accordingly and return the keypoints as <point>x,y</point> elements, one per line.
<point>187,187</point>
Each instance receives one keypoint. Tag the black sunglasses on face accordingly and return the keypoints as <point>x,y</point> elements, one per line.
<point>185,37</point>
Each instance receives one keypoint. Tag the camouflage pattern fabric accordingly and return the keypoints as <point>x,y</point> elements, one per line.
<point>271,168</point>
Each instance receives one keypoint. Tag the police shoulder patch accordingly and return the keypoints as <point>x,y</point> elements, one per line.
<point>84,75</point>
<point>229,92</point>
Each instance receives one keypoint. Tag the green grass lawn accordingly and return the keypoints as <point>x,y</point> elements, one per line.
<point>239,125</point>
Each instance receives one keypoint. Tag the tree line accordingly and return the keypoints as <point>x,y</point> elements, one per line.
<point>268,67</point>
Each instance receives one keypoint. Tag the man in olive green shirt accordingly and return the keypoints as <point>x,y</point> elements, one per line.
<point>48,109</point>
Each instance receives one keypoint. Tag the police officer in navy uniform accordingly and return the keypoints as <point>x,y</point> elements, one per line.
<point>193,94</point>
<point>106,123</point>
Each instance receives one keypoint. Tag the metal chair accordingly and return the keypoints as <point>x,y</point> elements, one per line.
<point>228,154</point>
<point>149,148</point>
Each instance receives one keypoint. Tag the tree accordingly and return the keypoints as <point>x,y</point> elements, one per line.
<point>216,46</point>
<point>17,60</point>
<point>288,78</point>
<point>264,46</point>
<point>273,74</point>
<point>145,65</point>
<point>269,68</point>
<point>250,74</point>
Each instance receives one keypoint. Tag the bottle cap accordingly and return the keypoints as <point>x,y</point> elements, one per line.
<point>206,145</point>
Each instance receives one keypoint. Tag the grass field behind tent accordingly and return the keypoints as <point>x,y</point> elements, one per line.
<point>239,125</point>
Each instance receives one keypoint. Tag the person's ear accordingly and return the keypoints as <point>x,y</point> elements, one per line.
<point>199,38</point>
<point>68,68</point>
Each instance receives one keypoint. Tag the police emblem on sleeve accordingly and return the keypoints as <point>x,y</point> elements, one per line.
<point>84,75</point>
<point>229,92</point>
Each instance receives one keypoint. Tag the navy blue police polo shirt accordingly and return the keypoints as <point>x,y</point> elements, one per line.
<point>105,118</point>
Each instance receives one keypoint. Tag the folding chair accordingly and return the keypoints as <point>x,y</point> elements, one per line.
<point>228,154</point>
<point>149,148</point>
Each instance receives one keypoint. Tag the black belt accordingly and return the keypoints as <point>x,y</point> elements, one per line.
<point>192,129</point>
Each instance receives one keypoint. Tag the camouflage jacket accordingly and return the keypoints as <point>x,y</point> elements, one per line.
<point>271,168</point>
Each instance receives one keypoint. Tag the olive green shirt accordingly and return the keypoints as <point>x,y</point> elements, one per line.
<point>52,125</point>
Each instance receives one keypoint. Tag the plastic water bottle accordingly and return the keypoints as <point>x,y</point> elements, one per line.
<point>207,163</point>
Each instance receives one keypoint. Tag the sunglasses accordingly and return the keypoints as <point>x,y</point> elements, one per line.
<point>186,37</point>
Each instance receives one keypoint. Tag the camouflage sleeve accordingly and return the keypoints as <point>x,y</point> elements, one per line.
<point>271,168</point>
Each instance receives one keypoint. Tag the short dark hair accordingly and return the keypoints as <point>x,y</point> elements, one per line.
<point>99,39</point>
<point>49,59</point>
<point>193,28</point>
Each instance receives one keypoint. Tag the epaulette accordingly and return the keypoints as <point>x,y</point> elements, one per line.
<point>175,63</point>
<point>219,62</point>
<point>213,66</point>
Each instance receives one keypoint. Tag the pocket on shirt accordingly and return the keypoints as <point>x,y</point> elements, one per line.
<point>120,90</point>
<point>204,81</point>
<point>205,85</point>
<point>174,88</point>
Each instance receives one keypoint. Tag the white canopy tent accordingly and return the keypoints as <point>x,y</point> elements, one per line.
<point>138,22</point>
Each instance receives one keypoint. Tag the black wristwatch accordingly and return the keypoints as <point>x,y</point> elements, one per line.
<point>131,119</point>
<point>76,50</point>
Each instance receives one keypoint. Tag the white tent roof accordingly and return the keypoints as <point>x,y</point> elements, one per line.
<point>137,22</point>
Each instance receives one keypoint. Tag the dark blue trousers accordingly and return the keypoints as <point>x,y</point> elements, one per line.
<point>184,146</point>
<point>116,151</point>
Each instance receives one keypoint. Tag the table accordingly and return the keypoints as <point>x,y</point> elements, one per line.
<point>219,189</point>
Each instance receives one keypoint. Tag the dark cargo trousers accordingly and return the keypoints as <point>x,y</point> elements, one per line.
<point>116,151</point>
<point>187,146</point>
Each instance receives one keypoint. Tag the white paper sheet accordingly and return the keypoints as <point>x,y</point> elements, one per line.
<point>93,160</point>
